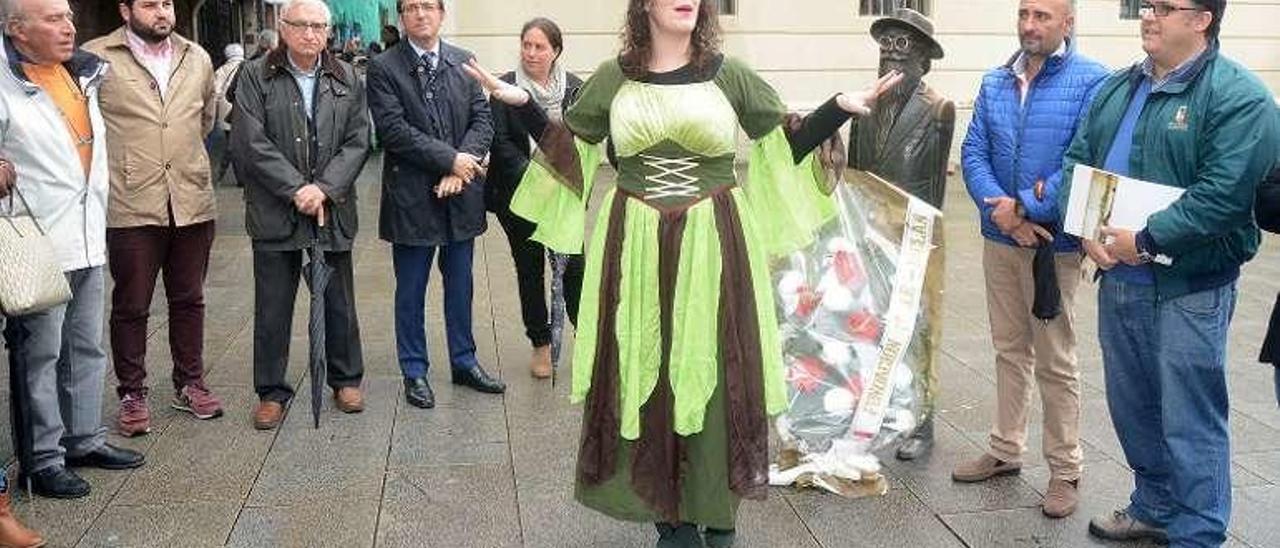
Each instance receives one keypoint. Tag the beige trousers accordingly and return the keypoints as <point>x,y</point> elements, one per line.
<point>1026,347</point>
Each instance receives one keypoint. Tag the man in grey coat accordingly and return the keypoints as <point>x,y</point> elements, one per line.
<point>299,138</point>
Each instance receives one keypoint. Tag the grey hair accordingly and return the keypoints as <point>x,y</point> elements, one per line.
<point>291,4</point>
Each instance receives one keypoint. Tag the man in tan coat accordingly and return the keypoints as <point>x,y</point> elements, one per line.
<point>158,102</point>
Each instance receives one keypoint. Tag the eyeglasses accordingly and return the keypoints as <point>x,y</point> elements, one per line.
<point>420,7</point>
<point>890,43</point>
<point>1162,9</point>
<point>318,28</point>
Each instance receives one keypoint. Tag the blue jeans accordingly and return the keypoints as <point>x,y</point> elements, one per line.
<point>412,266</point>
<point>1165,363</point>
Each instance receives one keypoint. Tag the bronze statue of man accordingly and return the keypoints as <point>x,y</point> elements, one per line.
<point>906,139</point>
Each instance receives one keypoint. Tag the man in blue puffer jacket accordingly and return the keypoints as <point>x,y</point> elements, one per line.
<point>1024,118</point>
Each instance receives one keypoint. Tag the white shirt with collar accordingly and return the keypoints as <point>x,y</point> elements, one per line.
<point>156,58</point>
<point>1020,70</point>
<point>434,49</point>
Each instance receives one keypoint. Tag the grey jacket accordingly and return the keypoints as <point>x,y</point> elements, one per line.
<point>276,150</point>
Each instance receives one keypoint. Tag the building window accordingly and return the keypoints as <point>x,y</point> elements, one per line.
<point>728,7</point>
<point>886,7</point>
<point>1129,9</point>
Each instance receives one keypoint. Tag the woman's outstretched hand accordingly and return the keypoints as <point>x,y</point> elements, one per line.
<point>502,91</point>
<point>861,102</point>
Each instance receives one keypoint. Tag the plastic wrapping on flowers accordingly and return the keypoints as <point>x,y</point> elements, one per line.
<point>859,316</point>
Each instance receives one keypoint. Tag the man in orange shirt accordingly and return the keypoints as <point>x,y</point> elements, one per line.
<point>51,130</point>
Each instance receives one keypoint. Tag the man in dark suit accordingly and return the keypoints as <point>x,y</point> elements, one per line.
<point>434,122</point>
<point>907,138</point>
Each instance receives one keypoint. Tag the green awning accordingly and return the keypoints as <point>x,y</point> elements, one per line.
<point>362,18</point>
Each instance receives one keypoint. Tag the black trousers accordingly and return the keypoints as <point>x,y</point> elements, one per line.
<point>275,287</point>
<point>530,259</point>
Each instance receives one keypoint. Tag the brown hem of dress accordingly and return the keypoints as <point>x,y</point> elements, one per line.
<point>659,455</point>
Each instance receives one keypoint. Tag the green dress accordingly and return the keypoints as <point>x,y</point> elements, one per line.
<point>677,355</point>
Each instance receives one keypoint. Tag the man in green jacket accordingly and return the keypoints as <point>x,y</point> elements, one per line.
<point>1191,118</point>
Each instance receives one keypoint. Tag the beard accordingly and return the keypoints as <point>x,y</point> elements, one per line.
<point>912,72</point>
<point>154,34</point>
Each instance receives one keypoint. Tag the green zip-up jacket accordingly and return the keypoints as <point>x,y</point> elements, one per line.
<point>1213,133</point>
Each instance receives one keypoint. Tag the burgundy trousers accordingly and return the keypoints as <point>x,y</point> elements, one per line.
<point>137,255</point>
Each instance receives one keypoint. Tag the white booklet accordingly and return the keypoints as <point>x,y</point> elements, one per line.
<point>1101,198</point>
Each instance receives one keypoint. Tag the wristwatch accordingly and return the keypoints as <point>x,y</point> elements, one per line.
<point>1141,241</point>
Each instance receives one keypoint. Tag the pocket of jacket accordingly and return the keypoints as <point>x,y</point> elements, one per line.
<point>268,222</point>
<point>346,219</point>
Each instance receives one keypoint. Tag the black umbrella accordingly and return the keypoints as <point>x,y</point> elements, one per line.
<point>317,274</point>
<point>558,261</point>
<point>1044,272</point>
<point>16,335</point>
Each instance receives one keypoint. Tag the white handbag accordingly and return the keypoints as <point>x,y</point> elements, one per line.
<point>31,280</point>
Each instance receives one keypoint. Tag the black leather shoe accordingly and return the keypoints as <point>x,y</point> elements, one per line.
<point>56,482</point>
<point>919,443</point>
<point>109,457</point>
<point>418,393</point>
<point>479,380</point>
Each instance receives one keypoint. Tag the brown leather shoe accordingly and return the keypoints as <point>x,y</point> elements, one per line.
<point>984,468</point>
<point>540,365</point>
<point>349,399</point>
<point>1061,498</point>
<point>267,415</point>
<point>12,532</point>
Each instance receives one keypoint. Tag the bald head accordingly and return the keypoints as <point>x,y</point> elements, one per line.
<point>42,30</point>
<point>1044,24</point>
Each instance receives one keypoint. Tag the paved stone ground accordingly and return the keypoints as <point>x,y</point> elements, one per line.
<point>487,471</point>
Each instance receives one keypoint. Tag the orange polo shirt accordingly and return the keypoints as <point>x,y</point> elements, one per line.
<point>66,94</point>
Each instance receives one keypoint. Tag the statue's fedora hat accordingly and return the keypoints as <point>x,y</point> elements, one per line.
<point>907,18</point>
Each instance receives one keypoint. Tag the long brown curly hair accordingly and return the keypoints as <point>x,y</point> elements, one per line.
<point>637,44</point>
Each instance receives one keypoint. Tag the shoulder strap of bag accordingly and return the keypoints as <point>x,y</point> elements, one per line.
<point>27,208</point>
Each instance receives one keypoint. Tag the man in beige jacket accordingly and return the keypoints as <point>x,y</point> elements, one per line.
<point>158,102</point>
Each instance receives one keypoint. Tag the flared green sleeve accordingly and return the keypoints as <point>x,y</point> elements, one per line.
<point>554,191</point>
<point>558,209</point>
<point>791,200</point>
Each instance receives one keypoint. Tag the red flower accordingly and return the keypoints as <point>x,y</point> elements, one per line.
<point>864,325</point>
<point>806,374</point>
<point>809,301</point>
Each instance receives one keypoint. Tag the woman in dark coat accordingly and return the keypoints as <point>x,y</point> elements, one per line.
<point>553,87</point>
<point>1268,214</point>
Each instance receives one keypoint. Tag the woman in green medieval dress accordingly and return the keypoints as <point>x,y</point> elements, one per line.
<point>677,356</point>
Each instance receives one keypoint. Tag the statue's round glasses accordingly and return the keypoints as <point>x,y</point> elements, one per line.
<point>890,43</point>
